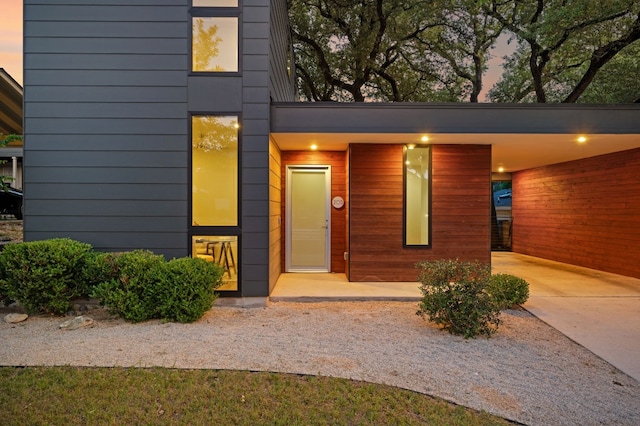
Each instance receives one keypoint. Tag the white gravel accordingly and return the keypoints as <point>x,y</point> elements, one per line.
<point>528,372</point>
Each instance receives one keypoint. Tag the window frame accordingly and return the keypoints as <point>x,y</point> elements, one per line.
<point>405,151</point>
<point>215,12</point>
<point>217,231</point>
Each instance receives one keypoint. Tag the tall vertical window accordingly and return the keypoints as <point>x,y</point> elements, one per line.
<point>417,200</point>
<point>214,170</point>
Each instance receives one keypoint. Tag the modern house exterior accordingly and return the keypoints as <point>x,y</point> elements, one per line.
<point>171,125</point>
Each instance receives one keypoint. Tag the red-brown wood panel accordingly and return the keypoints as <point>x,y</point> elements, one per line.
<point>460,210</point>
<point>337,161</point>
<point>583,212</point>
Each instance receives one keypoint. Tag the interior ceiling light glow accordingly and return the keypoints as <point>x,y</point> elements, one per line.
<point>314,147</point>
<point>411,146</point>
<point>582,139</point>
<point>501,169</point>
<point>425,138</point>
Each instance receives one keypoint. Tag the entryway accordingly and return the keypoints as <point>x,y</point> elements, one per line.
<point>308,219</point>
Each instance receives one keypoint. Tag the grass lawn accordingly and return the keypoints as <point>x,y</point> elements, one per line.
<point>124,396</point>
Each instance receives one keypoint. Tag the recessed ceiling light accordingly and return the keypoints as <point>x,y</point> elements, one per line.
<point>500,169</point>
<point>314,147</point>
<point>425,138</point>
<point>582,139</point>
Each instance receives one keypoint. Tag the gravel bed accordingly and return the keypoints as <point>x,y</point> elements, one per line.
<point>528,372</point>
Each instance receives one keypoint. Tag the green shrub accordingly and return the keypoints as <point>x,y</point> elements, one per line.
<point>187,289</point>
<point>129,293</point>
<point>44,276</point>
<point>99,267</point>
<point>508,290</point>
<point>4,289</point>
<point>140,286</point>
<point>454,296</point>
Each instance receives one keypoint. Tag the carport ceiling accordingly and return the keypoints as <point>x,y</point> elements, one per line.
<point>522,136</point>
<point>513,152</point>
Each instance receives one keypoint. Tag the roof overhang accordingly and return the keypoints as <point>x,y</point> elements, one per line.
<point>11,95</point>
<point>522,135</point>
<point>9,152</point>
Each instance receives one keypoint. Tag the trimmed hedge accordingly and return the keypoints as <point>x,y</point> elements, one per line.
<point>146,287</point>
<point>44,276</point>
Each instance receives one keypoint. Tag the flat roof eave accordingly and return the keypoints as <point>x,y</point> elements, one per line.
<point>331,117</point>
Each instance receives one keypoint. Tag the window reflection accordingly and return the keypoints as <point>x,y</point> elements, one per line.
<point>222,250</point>
<point>417,202</point>
<point>215,44</point>
<point>214,170</point>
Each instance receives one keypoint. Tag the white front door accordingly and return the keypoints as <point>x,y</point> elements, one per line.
<point>308,218</point>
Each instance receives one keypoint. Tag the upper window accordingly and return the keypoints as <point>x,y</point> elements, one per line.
<point>214,44</point>
<point>417,200</point>
<point>215,3</point>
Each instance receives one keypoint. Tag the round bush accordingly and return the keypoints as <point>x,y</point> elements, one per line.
<point>454,296</point>
<point>187,288</point>
<point>44,276</point>
<point>508,290</point>
<point>129,291</point>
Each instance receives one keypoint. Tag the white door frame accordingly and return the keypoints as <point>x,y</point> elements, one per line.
<point>326,169</point>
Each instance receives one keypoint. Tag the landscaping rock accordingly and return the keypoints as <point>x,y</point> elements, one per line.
<point>76,323</point>
<point>15,318</point>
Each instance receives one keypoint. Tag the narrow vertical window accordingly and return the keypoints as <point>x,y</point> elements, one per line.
<point>214,170</point>
<point>417,200</point>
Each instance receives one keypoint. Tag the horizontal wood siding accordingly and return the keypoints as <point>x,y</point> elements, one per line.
<point>337,161</point>
<point>106,123</point>
<point>460,210</point>
<point>583,212</point>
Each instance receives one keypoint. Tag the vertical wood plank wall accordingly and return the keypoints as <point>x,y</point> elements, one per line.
<point>461,210</point>
<point>275,214</point>
<point>337,161</point>
<point>582,212</point>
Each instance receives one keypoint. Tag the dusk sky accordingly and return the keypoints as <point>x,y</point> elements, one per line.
<point>11,38</point>
<point>11,44</point>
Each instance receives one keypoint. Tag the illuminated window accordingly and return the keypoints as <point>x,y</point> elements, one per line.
<point>214,44</point>
<point>417,200</point>
<point>214,170</point>
<point>215,3</point>
<point>222,250</point>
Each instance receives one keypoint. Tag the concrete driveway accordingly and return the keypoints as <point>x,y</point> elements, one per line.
<point>598,310</point>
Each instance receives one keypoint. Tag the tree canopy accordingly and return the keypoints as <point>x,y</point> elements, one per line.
<point>438,50</point>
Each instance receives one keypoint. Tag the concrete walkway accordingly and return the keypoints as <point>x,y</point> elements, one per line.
<point>598,310</point>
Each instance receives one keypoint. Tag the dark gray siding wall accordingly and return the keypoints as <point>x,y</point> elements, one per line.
<point>106,128</point>
<point>255,148</point>
<point>281,54</point>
